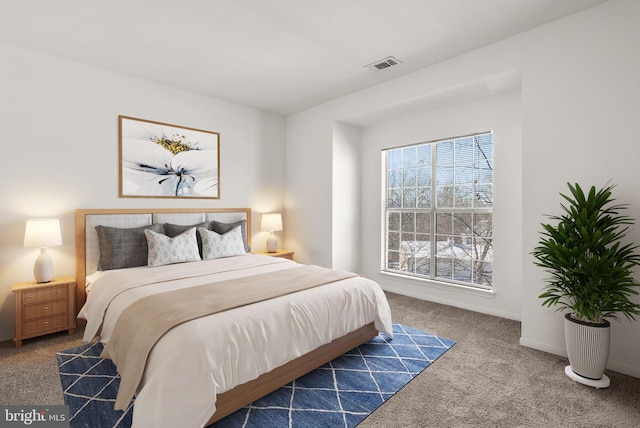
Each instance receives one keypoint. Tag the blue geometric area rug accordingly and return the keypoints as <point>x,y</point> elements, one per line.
<point>339,394</point>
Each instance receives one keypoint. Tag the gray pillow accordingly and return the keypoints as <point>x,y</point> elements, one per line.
<point>173,230</point>
<point>223,228</point>
<point>123,248</point>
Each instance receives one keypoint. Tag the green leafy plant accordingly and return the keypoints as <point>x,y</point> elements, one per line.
<point>591,269</point>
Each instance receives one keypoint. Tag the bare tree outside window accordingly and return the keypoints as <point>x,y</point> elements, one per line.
<point>439,210</point>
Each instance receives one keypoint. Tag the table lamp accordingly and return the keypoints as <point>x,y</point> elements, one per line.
<point>42,233</point>
<point>271,223</point>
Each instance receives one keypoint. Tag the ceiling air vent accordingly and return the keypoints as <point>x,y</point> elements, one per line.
<point>382,64</point>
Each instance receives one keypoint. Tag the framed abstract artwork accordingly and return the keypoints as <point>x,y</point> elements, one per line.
<point>159,160</point>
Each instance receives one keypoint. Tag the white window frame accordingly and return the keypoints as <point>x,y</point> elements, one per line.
<point>478,212</point>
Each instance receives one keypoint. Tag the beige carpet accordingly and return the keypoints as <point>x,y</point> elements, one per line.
<point>485,380</point>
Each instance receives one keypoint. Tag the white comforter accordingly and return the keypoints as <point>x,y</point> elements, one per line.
<point>201,358</point>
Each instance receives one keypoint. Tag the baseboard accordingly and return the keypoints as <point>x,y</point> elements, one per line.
<point>623,368</point>
<point>540,346</point>
<point>545,347</point>
<point>562,352</point>
<point>457,304</point>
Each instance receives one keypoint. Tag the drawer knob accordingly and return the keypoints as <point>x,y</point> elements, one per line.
<point>59,293</point>
<point>46,308</point>
<point>46,323</point>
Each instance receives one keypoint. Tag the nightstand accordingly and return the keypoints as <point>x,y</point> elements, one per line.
<point>44,308</point>
<point>280,253</point>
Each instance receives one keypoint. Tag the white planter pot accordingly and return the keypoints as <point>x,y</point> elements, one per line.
<point>587,348</point>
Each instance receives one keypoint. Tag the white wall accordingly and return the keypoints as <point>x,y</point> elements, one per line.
<point>59,150</point>
<point>346,197</point>
<point>500,114</point>
<point>581,102</point>
<point>580,98</point>
<point>308,166</point>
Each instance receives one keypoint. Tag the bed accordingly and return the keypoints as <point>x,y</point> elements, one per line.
<point>204,369</point>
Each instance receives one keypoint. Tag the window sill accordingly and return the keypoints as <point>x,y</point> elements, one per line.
<point>442,285</point>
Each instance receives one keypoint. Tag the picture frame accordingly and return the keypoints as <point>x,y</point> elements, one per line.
<point>160,160</point>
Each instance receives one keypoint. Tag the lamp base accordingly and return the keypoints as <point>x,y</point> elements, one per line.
<point>272,244</point>
<point>43,268</point>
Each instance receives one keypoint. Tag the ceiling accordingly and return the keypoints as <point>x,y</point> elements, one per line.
<point>281,56</point>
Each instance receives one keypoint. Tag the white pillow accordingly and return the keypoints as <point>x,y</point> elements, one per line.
<point>164,250</point>
<point>215,246</point>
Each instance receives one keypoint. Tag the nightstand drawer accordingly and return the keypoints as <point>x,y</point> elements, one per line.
<point>44,324</point>
<point>43,309</point>
<point>45,294</point>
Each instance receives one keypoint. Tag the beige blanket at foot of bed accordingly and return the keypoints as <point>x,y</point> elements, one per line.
<point>144,322</point>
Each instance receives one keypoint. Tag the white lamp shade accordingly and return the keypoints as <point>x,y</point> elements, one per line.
<point>42,233</point>
<point>271,222</point>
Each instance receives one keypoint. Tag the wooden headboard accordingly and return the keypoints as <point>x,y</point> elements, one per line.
<point>87,253</point>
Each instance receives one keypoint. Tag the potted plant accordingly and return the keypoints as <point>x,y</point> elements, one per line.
<point>591,276</point>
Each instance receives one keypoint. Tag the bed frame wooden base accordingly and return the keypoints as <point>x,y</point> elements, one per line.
<point>246,393</point>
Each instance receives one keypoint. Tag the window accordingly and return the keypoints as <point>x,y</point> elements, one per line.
<point>438,210</point>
